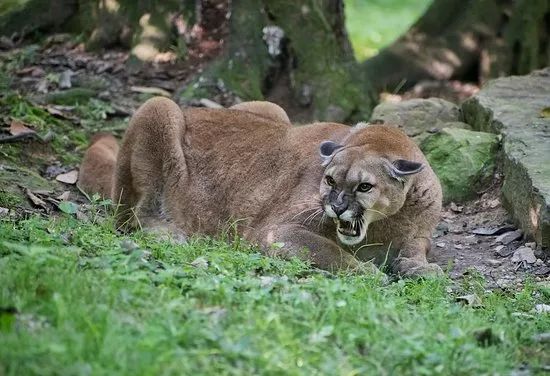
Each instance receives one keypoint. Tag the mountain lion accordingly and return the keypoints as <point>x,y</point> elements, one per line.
<point>334,195</point>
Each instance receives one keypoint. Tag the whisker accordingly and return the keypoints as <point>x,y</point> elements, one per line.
<point>304,211</point>
<point>311,201</point>
<point>312,216</point>
<point>376,211</point>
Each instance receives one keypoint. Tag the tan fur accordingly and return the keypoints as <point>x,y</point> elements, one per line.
<point>196,171</point>
<point>98,164</point>
<point>264,109</point>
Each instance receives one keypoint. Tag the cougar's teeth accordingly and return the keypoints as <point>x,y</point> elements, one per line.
<point>348,228</point>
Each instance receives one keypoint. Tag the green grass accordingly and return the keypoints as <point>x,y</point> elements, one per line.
<point>78,298</point>
<point>373,24</point>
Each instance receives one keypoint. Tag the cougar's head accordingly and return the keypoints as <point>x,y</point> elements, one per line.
<point>360,187</point>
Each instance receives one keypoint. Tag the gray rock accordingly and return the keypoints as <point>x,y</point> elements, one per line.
<point>419,117</point>
<point>508,237</point>
<point>513,106</point>
<point>542,337</point>
<point>542,308</point>
<point>524,254</point>
<point>503,251</point>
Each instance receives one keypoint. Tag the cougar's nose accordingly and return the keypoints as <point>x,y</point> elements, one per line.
<point>339,209</point>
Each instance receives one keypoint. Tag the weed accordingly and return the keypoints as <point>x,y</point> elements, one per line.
<point>79,297</point>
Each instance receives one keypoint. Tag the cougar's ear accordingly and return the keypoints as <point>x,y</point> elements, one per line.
<point>326,150</point>
<point>403,167</point>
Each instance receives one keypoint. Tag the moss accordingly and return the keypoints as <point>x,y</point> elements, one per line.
<point>322,76</point>
<point>463,160</point>
<point>72,96</point>
<point>9,199</point>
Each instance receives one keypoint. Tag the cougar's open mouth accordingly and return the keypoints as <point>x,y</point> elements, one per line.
<point>350,233</point>
<point>348,228</point>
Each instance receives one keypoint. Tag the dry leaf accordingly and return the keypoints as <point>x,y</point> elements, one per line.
<point>209,103</point>
<point>471,300</point>
<point>68,178</point>
<point>64,196</point>
<point>150,90</point>
<point>17,128</point>
<point>545,112</point>
<point>37,201</point>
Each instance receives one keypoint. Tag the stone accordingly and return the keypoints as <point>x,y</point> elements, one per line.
<point>541,337</point>
<point>463,160</point>
<point>508,237</point>
<point>492,231</point>
<point>542,308</point>
<point>503,251</point>
<point>419,118</point>
<point>493,262</point>
<point>512,106</point>
<point>524,254</point>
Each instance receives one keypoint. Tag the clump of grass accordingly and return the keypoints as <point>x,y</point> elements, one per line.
<point>9,199</point>
<point>78,297</point>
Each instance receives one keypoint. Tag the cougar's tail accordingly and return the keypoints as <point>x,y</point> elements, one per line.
<point>98,166</point>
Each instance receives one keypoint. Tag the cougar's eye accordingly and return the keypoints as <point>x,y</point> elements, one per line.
<point>330,181</point>
<point>364,187</point>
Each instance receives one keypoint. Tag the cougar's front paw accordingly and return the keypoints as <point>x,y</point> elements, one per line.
<point>409,268</point>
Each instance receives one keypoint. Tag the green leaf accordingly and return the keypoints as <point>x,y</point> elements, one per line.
<point>545,112</point>
<point>68,207</point>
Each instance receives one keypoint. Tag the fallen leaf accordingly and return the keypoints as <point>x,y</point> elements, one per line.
<point>150,90</point>
<point>70,177</point>
<point>545,112</point>
<point>209,103</point>
<point>64,196</point>
<point>68,207</point>
<point>200,263</point>
<point>17,128</point>
<point>472,300</point>
<point>456,208</point>
<point>37,201</point>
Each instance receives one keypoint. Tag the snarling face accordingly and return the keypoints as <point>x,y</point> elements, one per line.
<point>359,188</point>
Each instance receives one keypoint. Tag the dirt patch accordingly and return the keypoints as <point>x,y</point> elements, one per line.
<point>479,237</point>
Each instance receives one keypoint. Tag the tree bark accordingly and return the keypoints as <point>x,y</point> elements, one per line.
<point>296,54</point>
<point>143,25</point>
<point>468,40</point>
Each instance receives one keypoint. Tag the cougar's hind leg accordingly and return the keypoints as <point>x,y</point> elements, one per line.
<point>98,166</point>
<point>150,152</point>
<point>265,109</point>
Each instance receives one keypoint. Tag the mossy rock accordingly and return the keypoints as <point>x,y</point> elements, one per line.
<point>463,160</point>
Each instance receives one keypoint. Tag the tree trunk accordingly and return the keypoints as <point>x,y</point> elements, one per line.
<point>143,25</point>
<point>296,54</point>
<point>467,40</point>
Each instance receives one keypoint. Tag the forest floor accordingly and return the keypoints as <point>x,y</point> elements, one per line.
<point>79,297</point>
